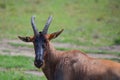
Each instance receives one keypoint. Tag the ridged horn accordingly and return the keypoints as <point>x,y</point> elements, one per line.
<point>45,30</point>
<point>34,26</point>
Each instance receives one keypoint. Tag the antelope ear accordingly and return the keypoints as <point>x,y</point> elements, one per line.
<point>26,39</point>
<point>55,34</point>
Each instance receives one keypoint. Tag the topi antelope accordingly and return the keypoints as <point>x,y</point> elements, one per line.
<point>68,65</point>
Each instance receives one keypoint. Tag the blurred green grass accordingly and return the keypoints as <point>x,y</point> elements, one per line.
<point>17,62</point>
<point>86,22</point>
<point>18,75</point>
<point>14,67</point>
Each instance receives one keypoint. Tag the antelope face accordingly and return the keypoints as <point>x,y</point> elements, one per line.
<point>39,47</point>
<point>40,40</point>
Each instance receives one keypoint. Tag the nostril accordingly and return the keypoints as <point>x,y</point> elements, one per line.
<point>41,63</point>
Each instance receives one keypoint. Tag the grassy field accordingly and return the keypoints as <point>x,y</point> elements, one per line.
<point>16,62</point>
<point>18,75</point>
<point>89,23</point>
<point>14,67</point>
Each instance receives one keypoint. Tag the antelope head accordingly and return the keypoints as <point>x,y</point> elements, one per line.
<point>40,40</point>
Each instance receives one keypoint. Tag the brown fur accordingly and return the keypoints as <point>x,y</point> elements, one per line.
<point>75,65</point>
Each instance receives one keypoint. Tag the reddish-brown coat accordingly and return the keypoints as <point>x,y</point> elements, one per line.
<point>76,65</point>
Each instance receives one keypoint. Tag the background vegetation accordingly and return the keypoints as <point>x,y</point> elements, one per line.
<point>86,22</point>
<point>15,67</point>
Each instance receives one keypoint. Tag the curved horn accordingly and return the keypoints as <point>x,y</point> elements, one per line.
<point>45,30</point>
<point>34,26</point>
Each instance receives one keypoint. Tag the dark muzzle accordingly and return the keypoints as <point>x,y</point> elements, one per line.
<point>38,63</point>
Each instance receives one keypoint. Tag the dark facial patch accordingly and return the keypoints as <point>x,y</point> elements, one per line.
<point>39,46</point>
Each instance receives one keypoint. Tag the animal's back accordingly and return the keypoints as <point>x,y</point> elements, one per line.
<point>84,67</point>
